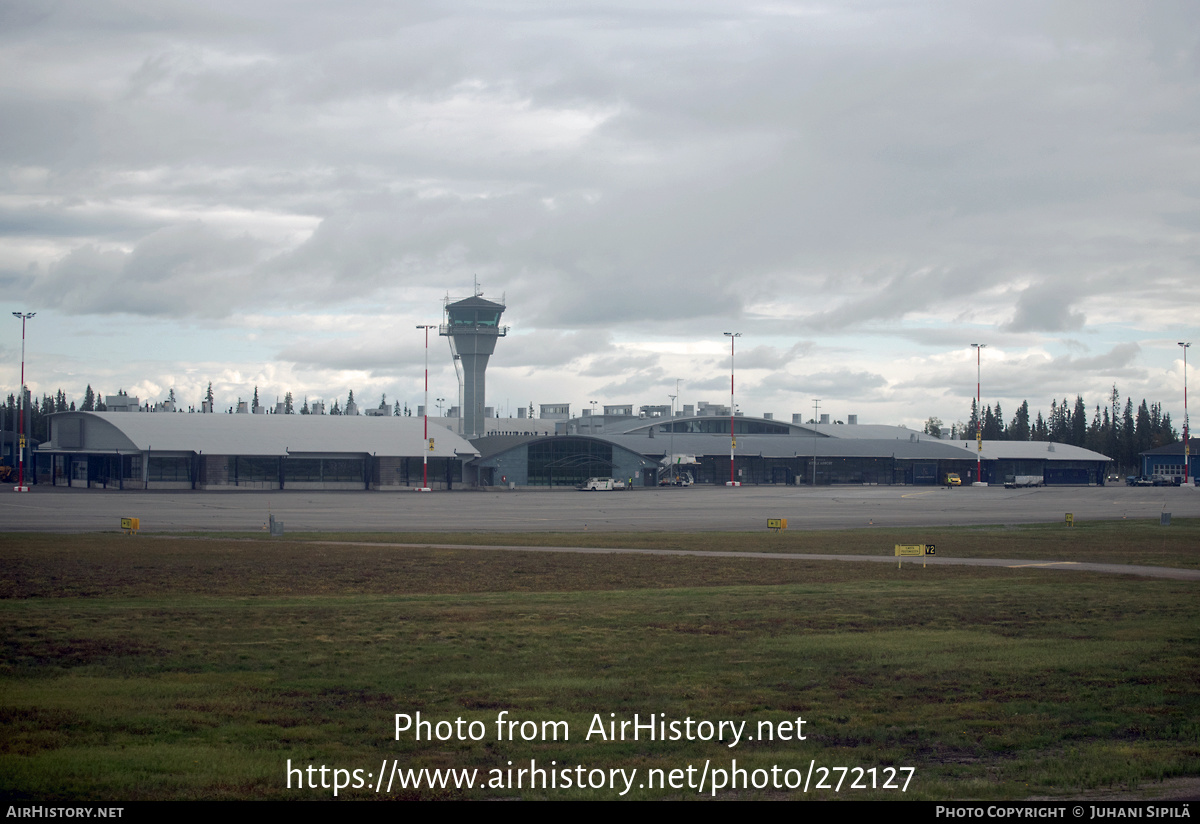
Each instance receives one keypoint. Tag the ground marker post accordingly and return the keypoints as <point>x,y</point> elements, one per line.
<point>777,524</point>
<point>1070,519</point>
<point>130,526</point>
<point>914,551</point>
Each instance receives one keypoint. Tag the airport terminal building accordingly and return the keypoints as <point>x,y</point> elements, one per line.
<point>774,452</point>
<point>155,450</point>
<point>148,450</point>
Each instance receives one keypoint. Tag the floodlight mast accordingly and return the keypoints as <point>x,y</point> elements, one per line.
<point>672,425</point>
<point>1186,444</point>
<point>21,487</point>
<point>979,347</point>
<point>816,419</point>
<point>732,407</point>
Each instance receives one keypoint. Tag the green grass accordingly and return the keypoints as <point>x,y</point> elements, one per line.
<point>1119,542</point>
<point>170,668</point>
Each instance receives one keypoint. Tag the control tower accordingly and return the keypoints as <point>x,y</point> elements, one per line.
<point>473,325</point>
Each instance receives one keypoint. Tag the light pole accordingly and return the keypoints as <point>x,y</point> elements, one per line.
<point>425,409</point>
<point>20,487</point>
<point>732,408</point>
<point>979,347</point>
<point>672,425</point>
<point>816,419</point>
<point>1186,446</point>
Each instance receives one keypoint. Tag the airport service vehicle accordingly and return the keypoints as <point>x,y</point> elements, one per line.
<point>1014,481</point>
<point>951,479</point>
<point>597,485</point>
<point>676,479</point>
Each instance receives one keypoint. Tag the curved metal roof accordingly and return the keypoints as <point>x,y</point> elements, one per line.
<point>787,446</point>
<point>224,434</point>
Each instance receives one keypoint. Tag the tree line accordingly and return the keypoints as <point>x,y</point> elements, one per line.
<point>36,414</point>
<point>1117,430</point>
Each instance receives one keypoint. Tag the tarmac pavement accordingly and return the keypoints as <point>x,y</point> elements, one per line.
<point>698,508</point>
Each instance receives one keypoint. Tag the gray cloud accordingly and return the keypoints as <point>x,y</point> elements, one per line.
<point>836,384</point>
<point>1045,309</point>
<point>376,355</point>
<point>894,177</point>
<point>178,271</point>
<point>770,357</point>
<point>632,382</point>
<point>549,349</point>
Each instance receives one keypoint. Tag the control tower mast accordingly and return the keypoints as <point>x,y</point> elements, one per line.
<point>472,325</point>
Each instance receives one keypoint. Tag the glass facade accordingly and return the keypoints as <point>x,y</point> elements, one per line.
<point>568,461</point>
<point>466,318</point>
<point>178,469</point>
<point>302,469</point>
<point>720,426</point>
<point>253,470</point>
<point>410,471</point>
<point>322,470</point>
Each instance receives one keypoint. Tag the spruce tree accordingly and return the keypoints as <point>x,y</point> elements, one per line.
<point>1079,422</point>
<point>1018,430</point>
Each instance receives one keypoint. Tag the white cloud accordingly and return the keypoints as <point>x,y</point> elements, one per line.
<point>862,191</point>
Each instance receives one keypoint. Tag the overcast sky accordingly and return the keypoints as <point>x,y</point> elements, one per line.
<point>275,194</point>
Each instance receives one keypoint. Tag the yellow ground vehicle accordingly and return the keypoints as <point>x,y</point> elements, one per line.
<point>951,479</point>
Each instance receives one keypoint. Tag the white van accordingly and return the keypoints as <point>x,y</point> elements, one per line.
<point>594,484</point>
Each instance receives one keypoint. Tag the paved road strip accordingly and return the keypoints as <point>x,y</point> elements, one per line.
<point>1012,563</point>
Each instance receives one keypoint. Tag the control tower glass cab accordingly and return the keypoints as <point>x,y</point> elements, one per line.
<point>472,325</point>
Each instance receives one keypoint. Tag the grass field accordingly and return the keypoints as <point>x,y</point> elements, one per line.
<point>171,668</point>
<point>1120,542</point>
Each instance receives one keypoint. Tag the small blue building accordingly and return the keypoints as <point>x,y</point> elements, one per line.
<point>1168,460</point>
